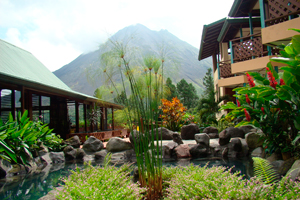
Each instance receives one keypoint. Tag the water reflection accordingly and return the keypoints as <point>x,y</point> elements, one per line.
<point>35,186</point>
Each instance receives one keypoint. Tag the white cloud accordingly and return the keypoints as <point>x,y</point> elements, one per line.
<point>56,32</point>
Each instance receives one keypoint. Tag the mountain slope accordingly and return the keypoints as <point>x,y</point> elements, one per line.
<point>77,74</point>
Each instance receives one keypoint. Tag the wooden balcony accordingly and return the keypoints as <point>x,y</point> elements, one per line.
<point>225,69</point>
<point>278,11</point>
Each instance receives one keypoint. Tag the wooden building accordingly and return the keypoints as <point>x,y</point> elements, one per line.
<point>26,84</point>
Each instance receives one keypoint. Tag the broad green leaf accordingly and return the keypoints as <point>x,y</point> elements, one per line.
<point>297,122</point>
<point>294,29</point>
<point>283,94</point>
<point>292,70</point>
<point>289,49</point>
<point>24,116</point>
<point>9,151</point>
<point>288,77</point>
<point>284,54</point>
<point>256,76</point>
<point>287,61</point>
<point>229,105</point>
<point>296,43</point>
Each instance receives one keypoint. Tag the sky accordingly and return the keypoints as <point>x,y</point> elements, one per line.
<point>58,31</point>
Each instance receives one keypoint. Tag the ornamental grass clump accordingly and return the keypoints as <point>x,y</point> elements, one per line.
<point>108,182</point>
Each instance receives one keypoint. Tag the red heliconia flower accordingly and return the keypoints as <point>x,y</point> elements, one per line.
<point>282,82</point>
<point>247,115</point>
<point>250,80</point>
<point>263,110</point>
<point>271,78</point>
<point>247,99</point>
<point>238,103</point>
<point>267,68</point>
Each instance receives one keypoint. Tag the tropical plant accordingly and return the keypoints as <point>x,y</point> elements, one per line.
<point>19,137</point>
<point>264,171</point>
<point>173,113</point>
<point>143,104</point>
<point>272,102</point>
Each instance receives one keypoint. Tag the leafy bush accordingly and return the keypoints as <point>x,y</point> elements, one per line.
<point>108,182</point>
<point>223,123</point>
<point>19,137</point>
<point>173,113</point>
<point>193,182</point>
<point>272,102</point>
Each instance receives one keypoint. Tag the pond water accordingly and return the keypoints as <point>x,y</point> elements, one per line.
<point>34,187</point>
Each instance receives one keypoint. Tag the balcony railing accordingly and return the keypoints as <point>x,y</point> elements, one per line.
<point>281,10</point>
<point>225,69</point>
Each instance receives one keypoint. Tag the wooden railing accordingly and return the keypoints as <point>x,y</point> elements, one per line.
<point>225,69</point>
<point>102,135</point>
<point>281,10</point>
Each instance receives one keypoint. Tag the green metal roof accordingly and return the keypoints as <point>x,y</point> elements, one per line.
<point>209,37</point>
<point>18,66</point>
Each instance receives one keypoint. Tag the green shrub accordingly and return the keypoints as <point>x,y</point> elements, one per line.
<point>193,182</point>
<point>107,182</point>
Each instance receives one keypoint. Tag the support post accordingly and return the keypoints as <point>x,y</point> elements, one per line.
<point>13,104</point>
<point>22,99</point>
<point>112,119</point>
<point>85,118</point>
<point>29,97</point>
<point>77,116</point>
<point>262,13</point>
<point>241,34</point>
<point>231,51</point>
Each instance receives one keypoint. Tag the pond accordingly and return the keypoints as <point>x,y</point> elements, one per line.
<point>34,187</point>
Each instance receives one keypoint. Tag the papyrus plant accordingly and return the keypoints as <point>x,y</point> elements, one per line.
<point>143,100</point>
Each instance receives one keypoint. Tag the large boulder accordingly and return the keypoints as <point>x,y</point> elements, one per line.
<point>213,135</point>
<point>199,150</point>
<point>168,149</point>
<point>224,137</point>
<point>236,144</point>
<point>163,133</point>
<point>275,156</point>
<point>202,138</point>
<point>5,166</point>
<point>235,132</point>
<point>135,136</point>
<point>177,138</point>
<point>80,154</point>
<point>254,140</point>
<point>100,155</point>
<point>188,131</point>
<point>246,129</point>
<point>210,129</point>
<point>92,144</point>
<point>117,144</point>
<point>277,164</point>
<point>258,152</point>
<point>73,141</point>
<point>70,153</point>
<point>57,157</point>
<point>183,151</point>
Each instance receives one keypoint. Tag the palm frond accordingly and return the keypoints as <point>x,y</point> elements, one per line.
<point>264,171</point>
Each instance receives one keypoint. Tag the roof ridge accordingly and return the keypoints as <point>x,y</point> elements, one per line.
<point>15,46</point>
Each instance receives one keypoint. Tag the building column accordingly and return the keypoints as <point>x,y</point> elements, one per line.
<point>113,119</point>
<point>85,118</point>
<point>77,116</point>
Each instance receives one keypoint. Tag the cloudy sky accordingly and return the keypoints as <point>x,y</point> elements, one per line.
<point>57,31</point>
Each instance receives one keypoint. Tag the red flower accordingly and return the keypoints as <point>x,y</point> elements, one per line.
<point>282,82</point>
<point>238,103</point>
<point>247,99</point>
<point>263,110</point>
<point>247,115</point>
<point>250,80</point>
<point>271,78</point>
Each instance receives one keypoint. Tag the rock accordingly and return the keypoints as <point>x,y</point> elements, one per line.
<point>168,149</point>
<point>134,135</point>
<point>80,154</point>
<point>92,144</point>
<point>177,138</point>
<point>277,164</point>
<point>43,149</point>
<point>51,195</point>
<point>73,141</point>
<point>202,138</point>
<point>210,129</point>
<point>117,144</point>
<point>213,135</point>
<point>118,158</point>
<point>295,165</point>
<point>46,159</point>
<point>246,129</point>
<point>294,174</point>
<point>136,175</point>
<point>235,132</point>
<point>100,155</point>
<point>17,169</point>
<point>254,140</point>
<point>70,153</point>
<point>5,166</point>
<point>163,133</point>
<point>188,131</point>
<point>225,152</point>
<point>199,150</point>
<point>236,144</point>
<point>286,166</point>
<point>224,137</point>
<point>57,157</point>
<point>274,157</point>
<point>258,152</point>
<point>183,151</point>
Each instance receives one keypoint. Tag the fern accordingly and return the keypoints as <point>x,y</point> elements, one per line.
<point>264,171</point>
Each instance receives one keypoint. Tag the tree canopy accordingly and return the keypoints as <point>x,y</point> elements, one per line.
<point>187,94</point>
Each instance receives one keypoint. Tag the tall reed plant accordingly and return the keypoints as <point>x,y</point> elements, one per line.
<point>143,103</point>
